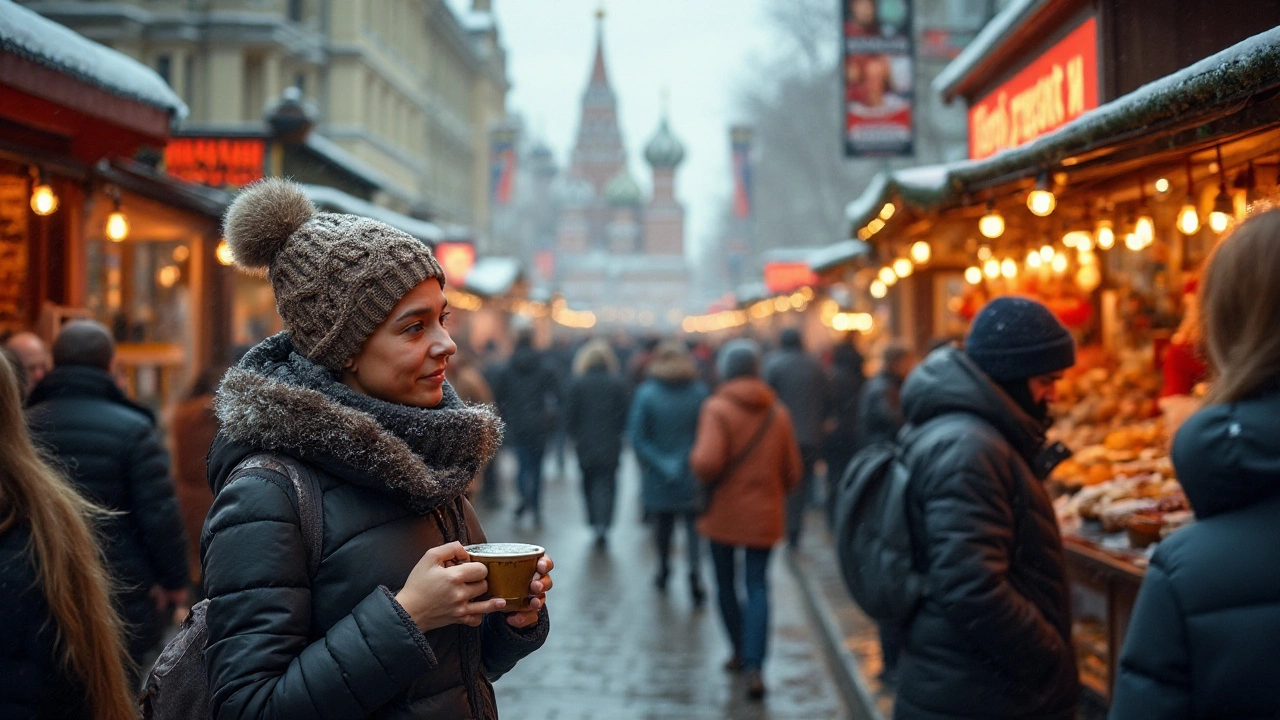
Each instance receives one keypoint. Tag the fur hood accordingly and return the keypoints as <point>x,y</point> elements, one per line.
<point>278,400</point>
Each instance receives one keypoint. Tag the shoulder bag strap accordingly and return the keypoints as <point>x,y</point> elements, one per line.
<point>749,448</point>
<point>306,488</point>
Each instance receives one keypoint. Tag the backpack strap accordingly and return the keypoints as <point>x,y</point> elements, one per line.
<point>306,489</point>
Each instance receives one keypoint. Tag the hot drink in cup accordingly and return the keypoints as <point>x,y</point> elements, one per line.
<point>511,569</point>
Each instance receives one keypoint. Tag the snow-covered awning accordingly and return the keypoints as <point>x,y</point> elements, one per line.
<point>1208,90</point>
<point>335,200</point>
<point>44,42</point>
<point>493,276</point>
<point>834,256</point>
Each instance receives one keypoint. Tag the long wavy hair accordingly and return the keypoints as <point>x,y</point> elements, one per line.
<point>1240,310</point>
<point>70,570</point>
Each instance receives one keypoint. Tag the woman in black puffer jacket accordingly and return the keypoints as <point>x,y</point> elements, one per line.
<point>1202,639</point>
<point>388,626</point>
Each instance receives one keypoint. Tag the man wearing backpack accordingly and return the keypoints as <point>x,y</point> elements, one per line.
<point>991,637</point>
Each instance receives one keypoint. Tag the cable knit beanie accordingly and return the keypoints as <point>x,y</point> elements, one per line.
<point>336,277</point>
<point>1016,338</point>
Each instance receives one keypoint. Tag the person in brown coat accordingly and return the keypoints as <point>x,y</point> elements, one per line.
<point>746,451</point>
<point>192,428</point>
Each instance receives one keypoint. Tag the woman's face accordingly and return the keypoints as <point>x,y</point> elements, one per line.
<point>404,360</point>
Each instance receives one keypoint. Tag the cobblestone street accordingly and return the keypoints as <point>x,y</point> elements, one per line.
<point>621,650</point>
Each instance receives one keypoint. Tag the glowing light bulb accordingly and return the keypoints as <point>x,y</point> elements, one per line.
<point>888,276</point>
<point>1009,268</point>
<point>1162,185</point>
<point>902,267</point>
<point>1223,209</point>
<point>1059,264</point>
<point>43,200</point>
<point>921,252</point>
<point>223,253</point>
<point>1133,242</point>
<point>984,253</point>
<point>1145,229</point>
<point>1218,221</point>
<point>117,227</point>
<point>1085,243</point>
<point>1047,253</point>
<point>887,211</point>
<point>1033,260</point>
<point>878,289</point>
<point>1041,202</point>
<point>991,268</point>
<point>1088,278</point>
<point>973,275</point>
<point>991,225</point>
<point>1106,235</point>
<point>1188,218</point>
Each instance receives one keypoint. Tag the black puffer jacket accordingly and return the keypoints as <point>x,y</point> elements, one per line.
<point>33,683</point>
<point>1202,641</point>
<point>992,639</point>
<point>528,394</point>
<point>282,644</point>
<point>596,417</point>
<point>111,451</point>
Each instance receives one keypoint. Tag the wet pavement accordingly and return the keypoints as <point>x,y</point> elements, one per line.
<point>620,649</point>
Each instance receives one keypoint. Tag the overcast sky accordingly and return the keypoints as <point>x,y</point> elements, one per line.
<point>699,50</point>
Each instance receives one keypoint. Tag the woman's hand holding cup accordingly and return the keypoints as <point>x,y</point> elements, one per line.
<point>538,589</point>
<point>442,588</point>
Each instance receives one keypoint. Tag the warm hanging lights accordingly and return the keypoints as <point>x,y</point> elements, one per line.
<point>878,289</point>
<point>902,267</point>
<point>1189,216</point>
<point>223,253</point>
<point>1059,264</point>
<point>44,201</point>
<point>1046,253</point>
<point>1009,268</point>
<point>117,225</point>
<point>973,275</point>
<point>921,252</point>
<point>991,268</point>
<point>888,276</point>
<point>1144,228</point>
<point>1223,208</point>
<point>1033,260</point>
<point>991,225</point>
<point>1106,235</point>
<point>1041,201</point>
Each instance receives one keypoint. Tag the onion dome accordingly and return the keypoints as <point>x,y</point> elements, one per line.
<point>573,191</point>
<point>664,149</point>
<point>623,191</point>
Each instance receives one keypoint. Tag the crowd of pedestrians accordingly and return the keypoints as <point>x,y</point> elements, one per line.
<point>340,446</point>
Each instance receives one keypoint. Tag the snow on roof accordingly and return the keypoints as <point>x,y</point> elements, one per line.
<point>837,254</point>
<point>477,21</point>
<point>994,33</point>
<point>493,276</point>
<point>335,200</point>
<point>43,41</point>
<point>1183,99</point>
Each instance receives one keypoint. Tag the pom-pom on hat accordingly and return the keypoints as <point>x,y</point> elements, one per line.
<point>335,277</point>
<point>1015,338</point>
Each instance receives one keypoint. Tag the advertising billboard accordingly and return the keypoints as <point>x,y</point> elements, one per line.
<point>879,78</point>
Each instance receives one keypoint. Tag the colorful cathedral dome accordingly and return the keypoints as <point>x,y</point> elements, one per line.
<point>664,150</point>
<point>623,191</point>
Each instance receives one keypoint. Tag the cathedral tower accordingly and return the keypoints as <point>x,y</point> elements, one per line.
<point>664,218</point>
<point>599,155</point>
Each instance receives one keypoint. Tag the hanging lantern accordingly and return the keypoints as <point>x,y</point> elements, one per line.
<point>44,201</point>
<point>1047,253</point>
<point>921,252</point>
<point>117,228</point>
<point>1041,201</point>
<point>223,253</point>
<point>1223,207</point>
<point>1189,216</point>
<point>991,268</point>
<point>1033,260</point>
<point>1145,230</point>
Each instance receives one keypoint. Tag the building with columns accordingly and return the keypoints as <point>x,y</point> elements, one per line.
<point>406,89</point>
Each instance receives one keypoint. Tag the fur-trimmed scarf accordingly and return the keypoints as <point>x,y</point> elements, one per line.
<point>278,400</point>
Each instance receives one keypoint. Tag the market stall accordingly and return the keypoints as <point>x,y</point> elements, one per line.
<point>1105,216</point>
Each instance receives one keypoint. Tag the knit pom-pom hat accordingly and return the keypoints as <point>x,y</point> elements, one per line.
<point>336,277</point>
<point>1015,338</point>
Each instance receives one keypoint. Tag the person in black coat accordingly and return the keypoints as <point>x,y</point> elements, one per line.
<point>992,637</point>
<point>596,418</point>
<point>113,455</point>
<point>801,384</point>
<point>845,381</point>
<point>527,392</point>
<point>880,408</point>
<point>1202,638</point>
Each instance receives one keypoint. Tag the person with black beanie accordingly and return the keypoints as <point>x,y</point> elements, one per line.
<point>992,638</point>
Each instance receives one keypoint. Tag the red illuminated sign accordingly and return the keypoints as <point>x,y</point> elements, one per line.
<point>457,259</point>
<point>1051,91</point>
<point>216,161</point>
<point>784,277</point>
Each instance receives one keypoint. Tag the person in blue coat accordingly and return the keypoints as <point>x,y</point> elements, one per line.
<point>1202,638</point>
<point>662,427</point>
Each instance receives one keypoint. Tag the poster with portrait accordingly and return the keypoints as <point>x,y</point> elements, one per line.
<point>879,78</point>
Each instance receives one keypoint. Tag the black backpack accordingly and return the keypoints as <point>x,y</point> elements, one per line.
<point>178,684</point>
<point>873,535</point>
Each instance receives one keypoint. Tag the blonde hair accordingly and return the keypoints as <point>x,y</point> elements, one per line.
<point>70,569</point>
<point>1240,309</point>
<point>595,353</point>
